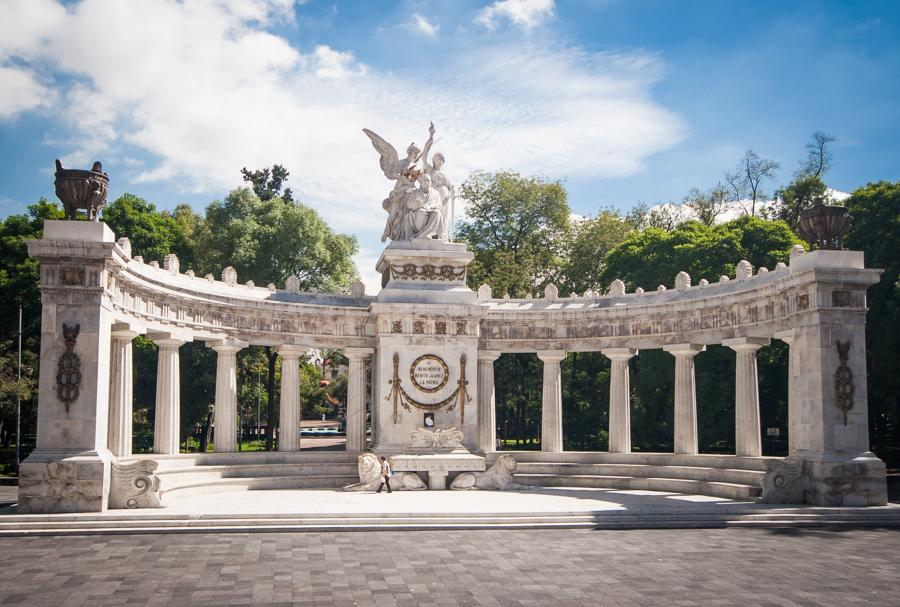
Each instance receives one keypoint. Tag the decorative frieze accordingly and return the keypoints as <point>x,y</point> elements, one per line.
<point>441,273</point>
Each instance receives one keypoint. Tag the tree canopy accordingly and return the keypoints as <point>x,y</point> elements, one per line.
<point>517,227</point>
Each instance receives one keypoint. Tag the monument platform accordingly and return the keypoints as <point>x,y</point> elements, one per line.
<point>539,507</point>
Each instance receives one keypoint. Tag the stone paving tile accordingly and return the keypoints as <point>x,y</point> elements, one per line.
<point>497,568</point>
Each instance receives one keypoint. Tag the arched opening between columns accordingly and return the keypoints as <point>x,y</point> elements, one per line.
<point>518,388</point>
<point>585,396</point>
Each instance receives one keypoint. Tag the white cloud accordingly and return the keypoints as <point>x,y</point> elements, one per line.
<point>20,91</point>
<point>525,13</point>
<point>203,89</point>
<point>423,26</point>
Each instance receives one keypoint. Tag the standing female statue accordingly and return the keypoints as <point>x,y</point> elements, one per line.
<point>441,183</point>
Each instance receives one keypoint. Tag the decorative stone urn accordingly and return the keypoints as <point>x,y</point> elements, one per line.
<point>80,189</point>
<point>825,225</point>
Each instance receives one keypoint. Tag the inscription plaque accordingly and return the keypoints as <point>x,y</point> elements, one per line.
<point>429,373</point>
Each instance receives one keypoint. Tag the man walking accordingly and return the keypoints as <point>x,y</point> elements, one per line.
<point>385,475</point>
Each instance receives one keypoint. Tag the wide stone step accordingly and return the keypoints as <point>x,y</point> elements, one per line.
<point>160,523</point>
<point>255,471</point>
<point>187,460</point>
<point>697,473</point>
<point>218,484</point>
<point>674,485</point>
<point>650,459</point>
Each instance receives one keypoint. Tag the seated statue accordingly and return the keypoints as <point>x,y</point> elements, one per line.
<point>424,216</point>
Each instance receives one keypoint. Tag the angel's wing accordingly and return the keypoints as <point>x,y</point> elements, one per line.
<point>390,161</point>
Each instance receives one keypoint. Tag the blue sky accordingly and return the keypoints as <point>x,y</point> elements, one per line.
<point>626,101</point>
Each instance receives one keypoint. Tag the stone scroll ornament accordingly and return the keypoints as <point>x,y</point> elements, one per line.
<point>843,381</point>
<point>133,485</point>
<point>785,482</point>
<point>68,369</point>
<point>398,396</point>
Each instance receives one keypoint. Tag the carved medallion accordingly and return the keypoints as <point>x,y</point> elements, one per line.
<point>429,373</point>
<point>68,369</point>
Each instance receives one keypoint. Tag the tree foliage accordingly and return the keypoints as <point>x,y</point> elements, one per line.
<point>517,227</point>
<point>267,183</point>
<point>270,240</point>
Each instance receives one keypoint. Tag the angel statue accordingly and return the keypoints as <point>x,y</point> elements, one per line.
<point>411,210</point>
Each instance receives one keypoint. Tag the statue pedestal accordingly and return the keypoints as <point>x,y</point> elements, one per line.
<point>425,271</point>
<point>427,344</point>
<point>438,465</point>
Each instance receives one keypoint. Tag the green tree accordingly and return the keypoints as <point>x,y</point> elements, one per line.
<point>593,238</point>
<point>804,192</point>
<point>267,183</point>
<point>518,228</point>
<point>153,233</point>
<point>267,241</point>
<point>876,224</point>
<point>19,286</point>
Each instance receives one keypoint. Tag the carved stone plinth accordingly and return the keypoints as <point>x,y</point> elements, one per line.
<point>785,482</point>
<point>438,465</point>
<point>425,271</point>
<point>133,485</point>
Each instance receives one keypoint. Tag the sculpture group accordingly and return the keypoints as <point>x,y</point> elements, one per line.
<point>421,204</point>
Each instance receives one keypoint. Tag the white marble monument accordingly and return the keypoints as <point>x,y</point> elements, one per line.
<point>429,343</point>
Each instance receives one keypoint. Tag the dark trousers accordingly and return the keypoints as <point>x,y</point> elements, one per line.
<point>385,482</point>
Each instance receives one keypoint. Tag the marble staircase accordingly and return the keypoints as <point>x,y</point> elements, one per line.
<point>730,477</point>
<point>189,474</point>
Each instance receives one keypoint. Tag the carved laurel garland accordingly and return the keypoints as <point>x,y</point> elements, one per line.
<point>411,271</point>
<point>68,368</point>
<point>843,381</point>
<point>399,396</point>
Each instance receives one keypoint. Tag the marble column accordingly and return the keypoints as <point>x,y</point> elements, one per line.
<point>487,413</point>
<point>685,396</point>
<point>619,399</point>
<point>121,396</point>
<point>551,402</point>
<point>356,398</point>
<point>167,424</point>
<point>225,413</point>
<point>748,441</point>
<point>290,412</point>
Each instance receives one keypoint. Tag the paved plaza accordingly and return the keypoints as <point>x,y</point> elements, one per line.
<point>799,567</point>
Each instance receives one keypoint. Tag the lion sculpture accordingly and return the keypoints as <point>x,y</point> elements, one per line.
<point>498,477</point>
<point>370,477</point>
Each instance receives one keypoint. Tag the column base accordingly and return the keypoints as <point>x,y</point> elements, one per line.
<point>836,479</point>
<point>58,481</point>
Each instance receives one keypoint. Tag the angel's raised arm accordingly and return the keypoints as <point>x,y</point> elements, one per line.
<point>390,161</point>
<point>427,147</point>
